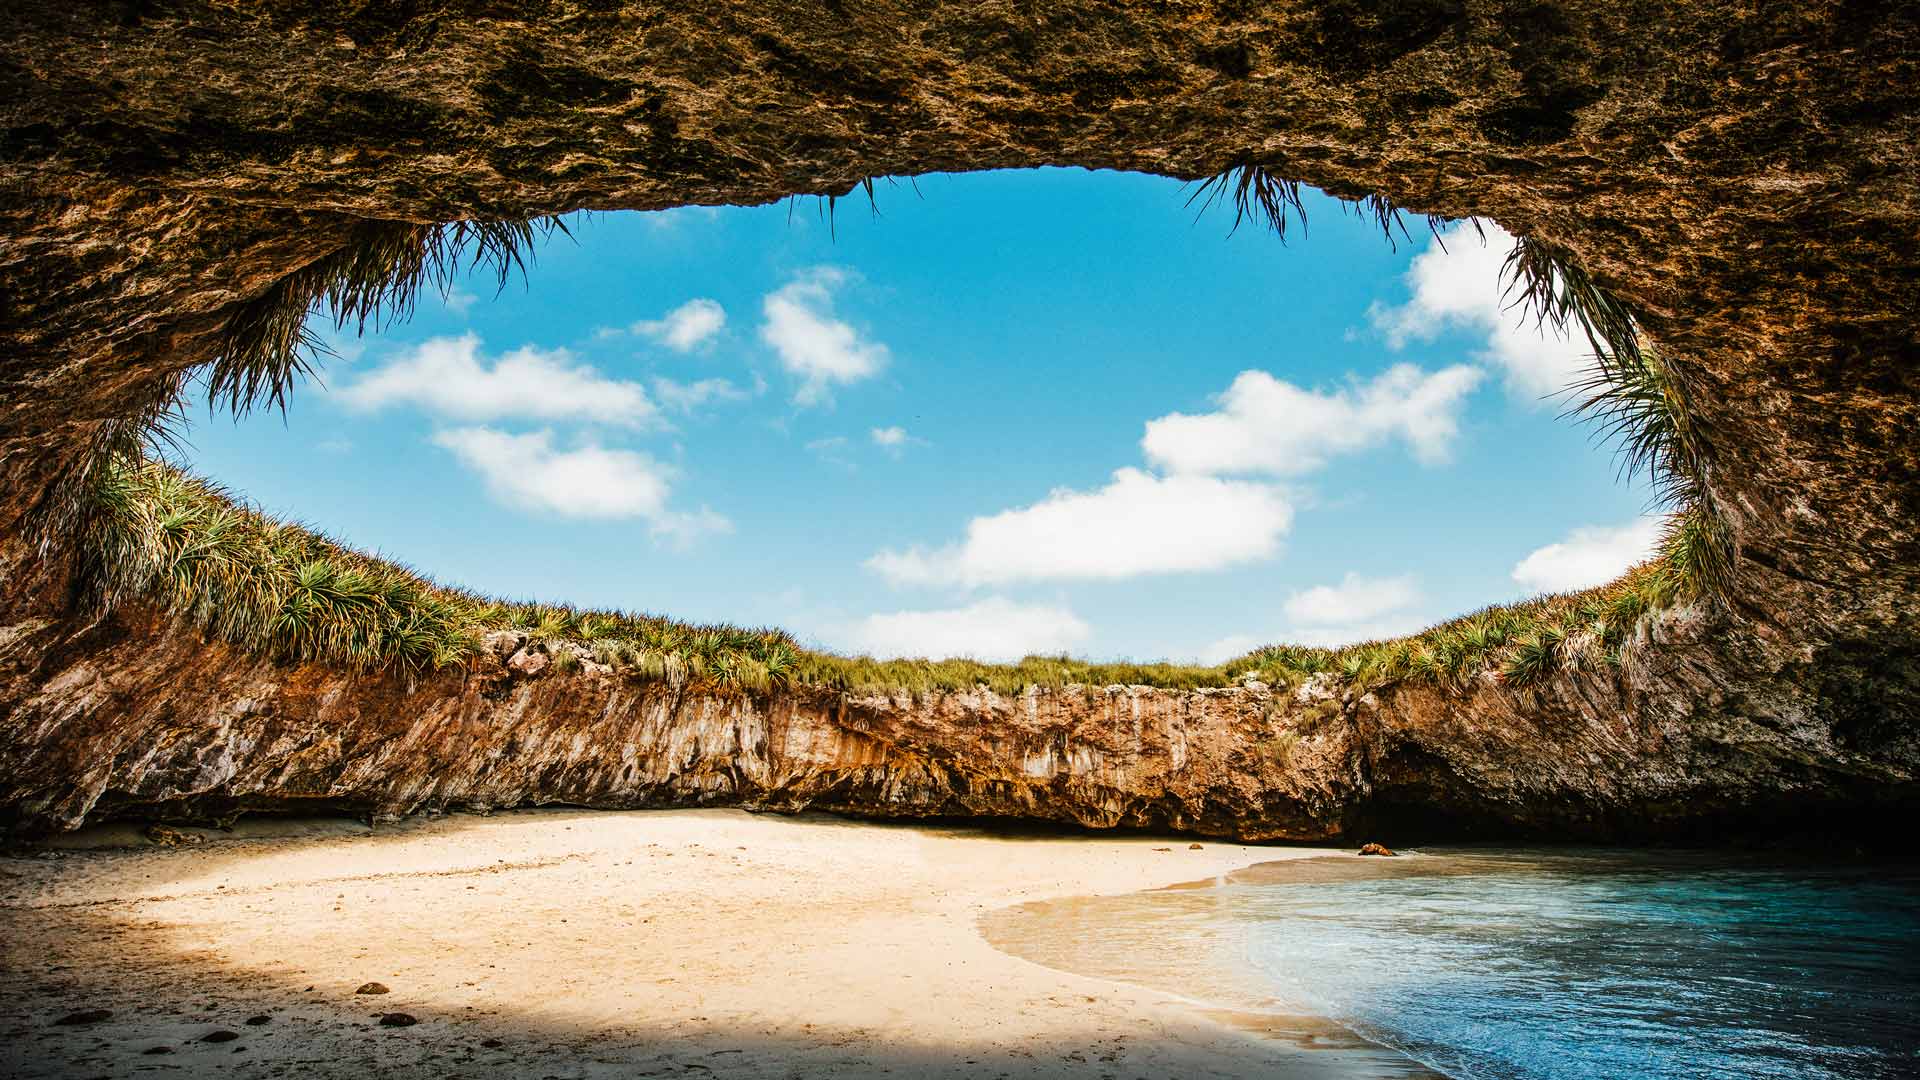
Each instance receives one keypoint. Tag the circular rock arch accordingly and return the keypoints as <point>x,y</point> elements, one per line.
<point>1743,180</point>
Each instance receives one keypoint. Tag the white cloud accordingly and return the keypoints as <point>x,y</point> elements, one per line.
<point>448,376</point>
<point>1266,425</point>
<point>1456,284</point>
<point>1137,524</point>
<point>1588,556</point>
<point>1229,647</point>
<point>1397,624</point>
<point>991,629</point>
<point>458,300</point>
<point>1357,609</point>
<point>890,436</point>
<point>592,481</point>
<point>1355,600</point>
<point>688,396</point>
<point>686,327</point>
<point>812,344</point>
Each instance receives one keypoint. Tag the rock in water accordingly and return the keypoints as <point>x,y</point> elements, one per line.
<point>1376,849</point>
<point>373,988</point>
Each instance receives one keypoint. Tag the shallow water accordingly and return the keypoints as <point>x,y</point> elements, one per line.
<point>1537,964</point>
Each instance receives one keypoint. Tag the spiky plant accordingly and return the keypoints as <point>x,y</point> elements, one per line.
<point>1636,403</point>
<point>1544,279</point>
<point>1256,192</point>
<point>372,279</point>
<point>1531,658</point>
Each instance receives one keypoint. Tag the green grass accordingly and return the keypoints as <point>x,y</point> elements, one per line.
<point>290,593</point>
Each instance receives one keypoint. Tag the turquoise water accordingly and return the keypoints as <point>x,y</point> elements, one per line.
<point>1532,965</point>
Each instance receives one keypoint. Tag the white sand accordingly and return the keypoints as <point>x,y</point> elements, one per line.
<point>618,944</point>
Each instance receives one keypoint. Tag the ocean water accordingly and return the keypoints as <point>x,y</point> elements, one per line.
<point>1538,964</point>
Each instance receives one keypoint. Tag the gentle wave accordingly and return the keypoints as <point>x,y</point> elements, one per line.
<point>1537,964</point>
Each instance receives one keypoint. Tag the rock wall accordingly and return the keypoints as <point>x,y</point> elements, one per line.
<point>1743,175</point>
<point>133,718</point>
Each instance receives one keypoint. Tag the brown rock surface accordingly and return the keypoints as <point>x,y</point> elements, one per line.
<point>1743,176</point>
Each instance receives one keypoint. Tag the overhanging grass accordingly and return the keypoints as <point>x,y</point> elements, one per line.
<point>287,592</point>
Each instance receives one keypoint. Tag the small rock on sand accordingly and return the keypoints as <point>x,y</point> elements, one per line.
<point>1376,849</point>
<point>158,1050</point>
<point>85,1016</point>
<point>256,1021</point>
<point>1195,847</point>
<point>162,836</point>
<point>219,1036</point>
<point>492,1044</point>
<point>398,1019</point>
<point>373,988</point>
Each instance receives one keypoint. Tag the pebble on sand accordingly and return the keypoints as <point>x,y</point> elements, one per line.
<point>398,1019</point>
<point>220,1035</point>
<point>1376,849</point>
<point>158,1050</point>
<point>373,988</point>
<point>256,1021</point>
<point>85,1016</point>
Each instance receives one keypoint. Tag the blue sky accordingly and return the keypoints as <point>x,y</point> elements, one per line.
<point>1044,410</point>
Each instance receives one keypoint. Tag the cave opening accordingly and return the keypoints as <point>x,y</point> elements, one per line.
<point>992,414</point>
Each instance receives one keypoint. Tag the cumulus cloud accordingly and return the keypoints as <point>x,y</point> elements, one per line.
<point>1137,524</point>
<point>458,300</point>
<point>894,440</point>
<point>820,350</point>
<point>1329,615</point>
<point>449,377</point>
<point>1356,599</point>
<point>991,629</point>
<point>529,472</point>
<point>1396,624</point>
<point>1359,608</point>
<point>1266,425</point>
<point>1588,556</point>
<point>1456,285</point>
<point>686,327</point>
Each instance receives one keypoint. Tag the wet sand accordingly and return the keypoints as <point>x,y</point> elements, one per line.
<point>576,944</point>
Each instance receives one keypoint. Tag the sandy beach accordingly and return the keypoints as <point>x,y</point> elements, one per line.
<point>572,944</point>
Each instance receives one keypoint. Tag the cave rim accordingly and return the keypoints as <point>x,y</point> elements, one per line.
<point>1388,223</point>
<point>1827,35</point>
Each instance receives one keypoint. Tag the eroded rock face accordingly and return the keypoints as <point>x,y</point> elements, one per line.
<point>147,722</point>
<point>1744,177</point>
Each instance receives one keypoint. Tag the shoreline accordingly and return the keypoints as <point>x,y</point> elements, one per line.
<point>585,943</point>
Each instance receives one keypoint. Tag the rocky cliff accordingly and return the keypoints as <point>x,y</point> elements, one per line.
<point>1742,176</point>
<point>133,718</point>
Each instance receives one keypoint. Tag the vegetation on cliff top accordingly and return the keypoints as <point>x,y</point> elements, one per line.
<point>290,593</point>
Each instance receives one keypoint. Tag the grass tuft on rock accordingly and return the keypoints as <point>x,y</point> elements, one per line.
<point>289,593</point>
